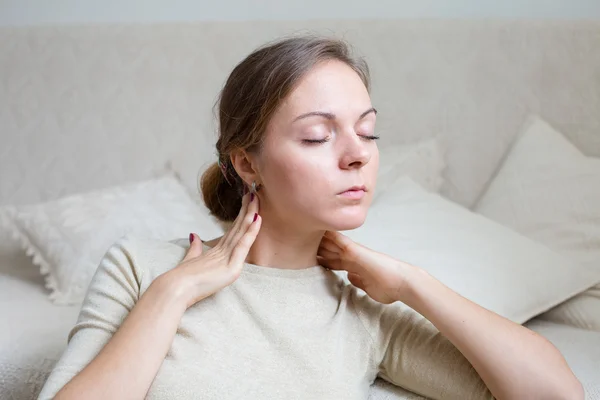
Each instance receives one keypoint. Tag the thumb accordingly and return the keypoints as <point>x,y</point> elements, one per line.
<point>195,247</point>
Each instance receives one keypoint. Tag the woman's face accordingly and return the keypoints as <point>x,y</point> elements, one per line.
<point>319,161</point>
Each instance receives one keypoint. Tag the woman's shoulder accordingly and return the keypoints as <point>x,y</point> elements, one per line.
<point>139,245</point>
<point>148,257</point>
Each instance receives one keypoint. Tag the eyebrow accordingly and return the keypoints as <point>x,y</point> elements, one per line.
<point>329,115</point>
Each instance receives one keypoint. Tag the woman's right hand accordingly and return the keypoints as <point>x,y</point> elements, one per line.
<point>202,273</point>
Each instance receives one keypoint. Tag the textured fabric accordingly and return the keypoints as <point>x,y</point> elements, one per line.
<point>482,260</point>
<point>33,330</point>
<point>547,190</point>
<point>78,101</point>
<point>68,237</point>
<point>273,333</point>
<point>37,336</point>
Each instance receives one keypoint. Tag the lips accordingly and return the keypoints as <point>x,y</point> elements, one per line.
<point>355,192</point>
<point>355,189</point>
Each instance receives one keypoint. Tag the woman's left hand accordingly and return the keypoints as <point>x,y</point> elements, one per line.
<point>384,278</point>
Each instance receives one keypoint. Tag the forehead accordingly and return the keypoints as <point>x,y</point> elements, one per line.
<point>331,86</point>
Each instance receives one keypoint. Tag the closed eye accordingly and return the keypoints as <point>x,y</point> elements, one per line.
<point>370,137</point>
<point>313,141</point>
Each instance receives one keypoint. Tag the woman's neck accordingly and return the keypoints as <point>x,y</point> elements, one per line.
<point>282,246</point>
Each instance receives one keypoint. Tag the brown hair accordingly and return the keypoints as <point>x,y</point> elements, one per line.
<point>251,95</point>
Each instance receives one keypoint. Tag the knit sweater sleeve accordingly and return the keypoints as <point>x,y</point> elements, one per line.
<point>411,353</point>
<point>111,295</point>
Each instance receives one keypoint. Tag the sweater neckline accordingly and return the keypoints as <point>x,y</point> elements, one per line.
<point>308,272</point>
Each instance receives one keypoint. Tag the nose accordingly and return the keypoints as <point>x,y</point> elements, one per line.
<point>355,152</point>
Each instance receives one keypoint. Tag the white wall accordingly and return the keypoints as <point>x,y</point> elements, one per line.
<point>30,12</point>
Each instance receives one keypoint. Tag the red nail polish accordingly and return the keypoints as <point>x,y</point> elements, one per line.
<point>191,238</point>
<point>251,196</point>
<point>255,217</point>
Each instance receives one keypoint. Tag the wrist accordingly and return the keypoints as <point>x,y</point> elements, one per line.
<point>415,281</point>
<point>172,288</point>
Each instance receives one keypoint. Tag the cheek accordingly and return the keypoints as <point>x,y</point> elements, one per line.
<point>299,180</point>
<point>305,189</point>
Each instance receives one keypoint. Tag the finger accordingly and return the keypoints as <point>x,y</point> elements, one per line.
<point>330,235</point>
<point>331,263</point>
<point>325,253</point>
<point>246,221</point>
<point>327,244</point>
<point>195,248</point>
<point>241,249</point>
<point>228,238</point>
<point>356,280</point>
<point>342,241</point>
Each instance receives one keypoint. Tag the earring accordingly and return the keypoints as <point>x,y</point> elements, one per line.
<point>255,187</point>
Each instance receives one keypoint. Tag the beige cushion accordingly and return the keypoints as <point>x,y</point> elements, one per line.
<point>424,162</point>
<point>549,191</point>
<point>68,237</point>
<point>484,261</point>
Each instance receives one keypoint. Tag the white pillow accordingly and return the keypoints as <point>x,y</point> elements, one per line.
<point>68,237</point>
<point>424,162</point>
<point>482,260</point>
<point>549,191</point>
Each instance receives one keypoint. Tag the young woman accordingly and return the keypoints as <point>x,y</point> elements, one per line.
<point>258,313</point>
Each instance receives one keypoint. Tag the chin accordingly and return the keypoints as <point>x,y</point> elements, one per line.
<point>346,221</point>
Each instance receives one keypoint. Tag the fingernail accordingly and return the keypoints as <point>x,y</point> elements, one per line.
<point>255,216</point>
<point>191,238</point>
<point>251,196</point>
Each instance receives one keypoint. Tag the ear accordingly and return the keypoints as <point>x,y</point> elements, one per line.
<point>245,164</point>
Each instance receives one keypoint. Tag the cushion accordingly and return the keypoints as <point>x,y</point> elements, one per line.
<point>68,237</point>
<point>424,162</point>
<point>480,259</point>
<point>549,191</point>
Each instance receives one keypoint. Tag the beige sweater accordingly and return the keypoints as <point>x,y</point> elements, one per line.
<point>272,334</point>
